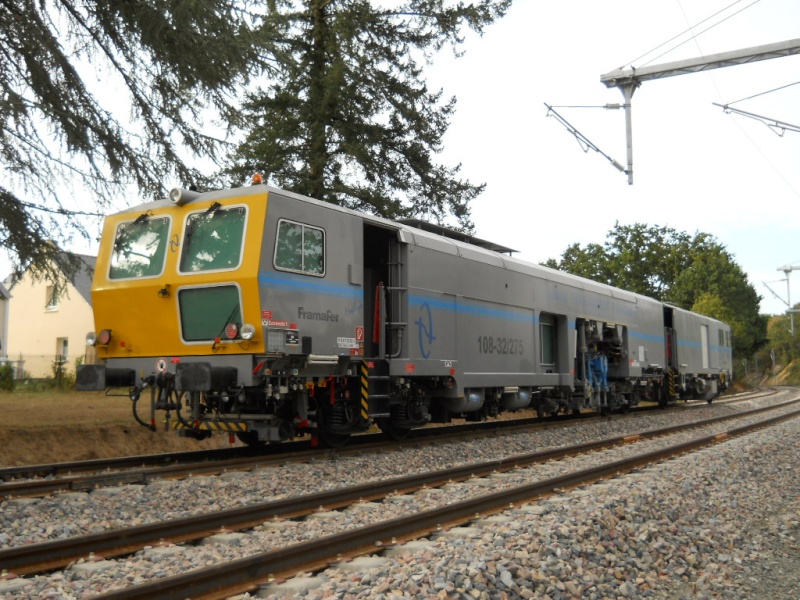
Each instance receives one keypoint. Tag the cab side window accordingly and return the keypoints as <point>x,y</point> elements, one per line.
<point>300,248</point>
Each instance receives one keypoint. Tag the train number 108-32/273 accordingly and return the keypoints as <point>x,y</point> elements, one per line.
<point>488,344</point>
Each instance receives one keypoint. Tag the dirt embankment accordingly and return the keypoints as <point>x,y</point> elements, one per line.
<point>49,427</point>
<point>64,443</point>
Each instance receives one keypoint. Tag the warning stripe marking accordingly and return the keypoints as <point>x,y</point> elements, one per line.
<point>364,391</point>
<point>229,426</point>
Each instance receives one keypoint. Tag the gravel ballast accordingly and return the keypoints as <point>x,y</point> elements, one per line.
<point>721,523</point>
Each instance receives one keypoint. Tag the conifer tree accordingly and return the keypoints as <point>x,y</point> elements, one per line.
<point>107,93</point>
<point>349,119</point>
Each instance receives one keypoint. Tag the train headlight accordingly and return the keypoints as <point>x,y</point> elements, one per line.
<point>104,337</point>
<point>179,196</point>
<point>231,330</point>
<point>248,331</point>
<point>91,338</point>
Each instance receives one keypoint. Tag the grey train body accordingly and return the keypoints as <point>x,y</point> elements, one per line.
<point>456,329</point>
<point>405,323</point>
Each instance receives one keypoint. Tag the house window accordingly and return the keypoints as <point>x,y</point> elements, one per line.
<point>62,350</point>
<point>51,300</point>
<point>300,248</point>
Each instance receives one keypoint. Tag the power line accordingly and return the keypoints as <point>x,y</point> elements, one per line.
<point>690,29</point>
<point>783,87</point>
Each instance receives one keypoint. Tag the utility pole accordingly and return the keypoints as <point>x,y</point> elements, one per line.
<point>787,269</point>
<point>627,80</point>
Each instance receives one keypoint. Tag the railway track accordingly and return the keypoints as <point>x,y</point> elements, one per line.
<point>40,480</point>
<point>52,555</point>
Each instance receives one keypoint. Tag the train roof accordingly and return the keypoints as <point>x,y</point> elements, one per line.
<point>456,235</point>
<point>439,230</point>
<point>429,235</point>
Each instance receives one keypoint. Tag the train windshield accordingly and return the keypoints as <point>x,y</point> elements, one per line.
<point>139,248</point>
<point>213,239</point>
<point>206,312</point>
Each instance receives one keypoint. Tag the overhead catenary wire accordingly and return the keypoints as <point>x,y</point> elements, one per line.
<point>690,30</point>
<point>777,89</point>
<point>630,82</point>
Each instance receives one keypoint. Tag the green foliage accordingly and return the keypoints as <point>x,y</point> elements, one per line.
<point>784,346</point>
<point>62,378</point>
<point>348,118</point>
<point>693,272</point>
<point>587,262</point>
<point>712,271</point>
<point>792,374</point>
<point>58,367</point>
<point>640,258</point>
<point>6,378</point>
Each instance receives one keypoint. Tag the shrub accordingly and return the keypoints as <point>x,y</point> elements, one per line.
<point>6,378</point>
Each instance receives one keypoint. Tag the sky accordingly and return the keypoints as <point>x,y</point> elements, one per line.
<point>696,169</point>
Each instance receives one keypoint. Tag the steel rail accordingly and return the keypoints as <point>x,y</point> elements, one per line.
<point>245,574</point>
<point>202,464</point>
<point>360,443</point>
<point>101,464</point>
<point>178,465</point>
<point>35,558</point>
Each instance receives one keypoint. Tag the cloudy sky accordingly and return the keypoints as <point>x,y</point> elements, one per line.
<point>695,167</point>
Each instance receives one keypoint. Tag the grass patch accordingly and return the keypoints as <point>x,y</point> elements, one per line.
<point>29,406</point>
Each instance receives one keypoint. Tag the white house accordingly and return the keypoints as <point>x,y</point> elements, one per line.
<point>46,324</point>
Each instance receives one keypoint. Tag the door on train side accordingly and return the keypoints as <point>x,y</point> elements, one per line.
<point>384,289</point>
<point>670,340</point>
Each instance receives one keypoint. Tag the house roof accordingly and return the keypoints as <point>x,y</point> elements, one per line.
<point>82,280</point>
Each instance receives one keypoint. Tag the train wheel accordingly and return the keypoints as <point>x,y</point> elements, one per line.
<point>333,440</point>
<point>197,434</point>
<point>249,438</point>
<point>393,431</point>
<point>331,421</point>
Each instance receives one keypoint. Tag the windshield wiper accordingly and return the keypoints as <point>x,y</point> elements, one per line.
<point>125,228</point>
<point>225,324</point>
<point>194,223</point>
<point>143,218</point>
